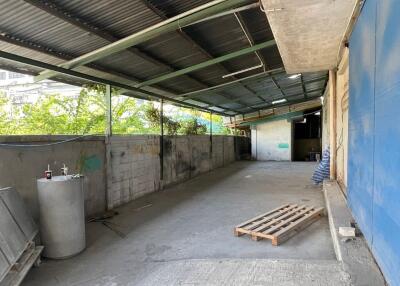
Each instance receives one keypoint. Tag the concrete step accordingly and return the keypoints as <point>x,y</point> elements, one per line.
<point>247,272</point>
<point>354,253</point>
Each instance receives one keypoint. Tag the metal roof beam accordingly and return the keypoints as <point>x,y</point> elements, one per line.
<point>245,79</point>
<point>286,103</point>
<point>303,86</point>
<point>161,28</point>
<point>295,95</point>
<point>51,8</point>
<point>139,93</point>
<point>188,38</point>
<point>233,11</point>
<point>126,78</point>
<point>181,32</point>
<point>208,63</point>
<point>54,10</point>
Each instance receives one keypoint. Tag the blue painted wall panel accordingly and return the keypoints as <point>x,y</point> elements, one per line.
<point>386,240</point>
<point>361,119</point>
<point>375,91</point>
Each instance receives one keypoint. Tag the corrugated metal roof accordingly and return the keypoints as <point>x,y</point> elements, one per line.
<point>28,29</point>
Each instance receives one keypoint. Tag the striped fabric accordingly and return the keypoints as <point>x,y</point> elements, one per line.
<point>322,171</point>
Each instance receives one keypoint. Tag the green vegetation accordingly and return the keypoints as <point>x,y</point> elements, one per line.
<point>85,114</point>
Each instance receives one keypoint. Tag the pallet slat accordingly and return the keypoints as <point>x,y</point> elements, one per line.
<point>247,226</point>
<point>280,223</point>
<point>261,228</point>
<point>260,216</point>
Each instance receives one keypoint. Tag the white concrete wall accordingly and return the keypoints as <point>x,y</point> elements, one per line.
<point>271,141</point>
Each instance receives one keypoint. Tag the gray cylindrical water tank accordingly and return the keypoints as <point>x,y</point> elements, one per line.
<point>62,216</point>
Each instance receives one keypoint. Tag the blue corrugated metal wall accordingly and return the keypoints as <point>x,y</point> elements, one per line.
<point>374,131</point>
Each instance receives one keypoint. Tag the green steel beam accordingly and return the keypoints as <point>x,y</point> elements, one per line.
<point>172,24</point>
<point>208,63</point>
<point>244,79</point>
<point>247,80</point>
<point>291,102</point>
<point>139,93</point>
<point>287,98</point>
<point>272,118</point>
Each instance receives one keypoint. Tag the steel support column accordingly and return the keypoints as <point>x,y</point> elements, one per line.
<point>211,139</point>
<point>161,140</point>
<point>108,111</point>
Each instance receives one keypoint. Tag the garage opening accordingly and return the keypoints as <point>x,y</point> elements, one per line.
<point>307,143</point>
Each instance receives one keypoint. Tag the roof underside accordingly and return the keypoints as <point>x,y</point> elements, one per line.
<point>57,31</point>
<point>304,48</point>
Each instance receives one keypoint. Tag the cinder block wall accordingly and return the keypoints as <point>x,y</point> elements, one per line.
<point>133,168</point>
<point>116,171</point>
<point>134,162</point>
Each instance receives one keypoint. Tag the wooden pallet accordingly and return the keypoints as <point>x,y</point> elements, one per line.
<point>280,223</point>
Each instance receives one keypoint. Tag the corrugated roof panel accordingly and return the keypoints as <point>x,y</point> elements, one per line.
<point>124,17</point>
<point>172,7</point>
<point>120,17</point>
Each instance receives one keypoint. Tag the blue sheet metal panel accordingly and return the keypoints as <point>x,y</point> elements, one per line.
<point>361,119</point>
<point>386,227</point>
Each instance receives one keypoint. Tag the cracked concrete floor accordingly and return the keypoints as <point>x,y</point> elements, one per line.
<point>184,236</point>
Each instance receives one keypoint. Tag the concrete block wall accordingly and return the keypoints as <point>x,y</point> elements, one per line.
<point>135,162</point>
<point>117,170</point>
<point>134,168</point>
<point>188,156</point>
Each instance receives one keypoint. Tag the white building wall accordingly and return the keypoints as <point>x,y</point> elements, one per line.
<point>271,141</point>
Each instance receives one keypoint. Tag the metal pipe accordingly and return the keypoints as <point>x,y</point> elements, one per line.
<point>149,33</point>
<point>190,94</point>
<point>240,9</point>
<point>243,71</point>
<point>208,63</point>
<point>249,38</point>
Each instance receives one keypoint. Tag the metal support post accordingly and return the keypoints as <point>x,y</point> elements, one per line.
<point>108,111</point>
<point>211,141</point>
<point>161,139</point>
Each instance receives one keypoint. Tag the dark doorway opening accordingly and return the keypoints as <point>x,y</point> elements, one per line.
<point>307,136</point>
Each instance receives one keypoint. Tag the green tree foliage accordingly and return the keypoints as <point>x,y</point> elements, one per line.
<point>175,125</point>
<point>6,125</point>
<point>85,114</point>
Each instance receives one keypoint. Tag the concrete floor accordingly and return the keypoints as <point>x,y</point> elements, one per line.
<point>191,225</point>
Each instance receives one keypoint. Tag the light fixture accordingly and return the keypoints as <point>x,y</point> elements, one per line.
<point>274,9</point>
<point>294,76</point>
<point>279,101</point>
<point>242,71</point>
